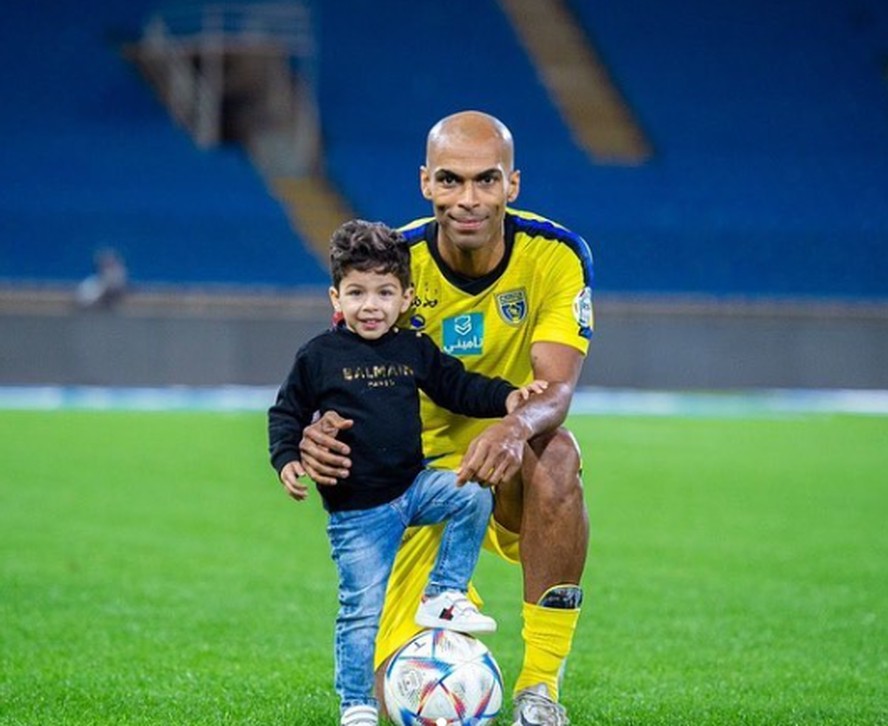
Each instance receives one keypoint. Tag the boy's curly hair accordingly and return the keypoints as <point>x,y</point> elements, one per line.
<point>365,246</point>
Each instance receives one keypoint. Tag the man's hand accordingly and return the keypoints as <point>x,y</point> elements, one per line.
<point>495,455</point>
<point>290,479</point>
<point>324,457</point>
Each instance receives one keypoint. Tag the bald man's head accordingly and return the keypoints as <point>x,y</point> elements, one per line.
<point>471,126</point>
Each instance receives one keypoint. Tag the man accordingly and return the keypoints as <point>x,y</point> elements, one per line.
<point>509,293</point>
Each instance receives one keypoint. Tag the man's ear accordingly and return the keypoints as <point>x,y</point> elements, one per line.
<point>514,185</point>
<point>425,182</point>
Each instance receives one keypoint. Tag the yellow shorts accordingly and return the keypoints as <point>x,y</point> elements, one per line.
<point>410,574</point>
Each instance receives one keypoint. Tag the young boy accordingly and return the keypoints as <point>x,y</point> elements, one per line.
<point>368,370</point>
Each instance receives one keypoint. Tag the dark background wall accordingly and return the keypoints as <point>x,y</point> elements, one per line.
<point>208,340</point>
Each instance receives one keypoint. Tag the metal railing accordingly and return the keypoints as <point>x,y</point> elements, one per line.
<point>286,24</point>
<point>177,35</point>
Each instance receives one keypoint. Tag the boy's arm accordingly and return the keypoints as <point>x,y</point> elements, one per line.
<point>447,382</point>
<point>287,419</point>
<point>284,429</point>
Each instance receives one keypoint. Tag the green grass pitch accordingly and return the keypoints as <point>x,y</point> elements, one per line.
<point>153,572</point>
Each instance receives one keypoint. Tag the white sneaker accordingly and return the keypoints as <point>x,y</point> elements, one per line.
<point>533,707</point>
<point>360,716</point>
<point>452,610</point>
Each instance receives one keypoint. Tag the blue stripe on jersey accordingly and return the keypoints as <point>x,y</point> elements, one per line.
<point>545,228</point>
<point>432,459</point>
<point>417,233</point>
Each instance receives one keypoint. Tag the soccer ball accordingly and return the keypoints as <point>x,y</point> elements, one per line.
<point>443,678</point>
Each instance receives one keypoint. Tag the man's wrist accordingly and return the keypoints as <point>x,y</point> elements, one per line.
<point>519,426</point>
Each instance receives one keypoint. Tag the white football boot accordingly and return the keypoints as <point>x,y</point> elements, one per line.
<point>533,707</point>
<point>452,610</point>
<point>360,716</point>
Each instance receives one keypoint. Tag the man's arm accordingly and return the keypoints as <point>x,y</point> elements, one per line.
<point>495,455</point>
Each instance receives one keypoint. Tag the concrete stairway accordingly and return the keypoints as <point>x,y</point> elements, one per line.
<point>578,82</point>
<point>315,208</point>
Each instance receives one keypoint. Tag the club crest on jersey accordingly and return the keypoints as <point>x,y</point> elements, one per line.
<point>463,335</point>
<point>512,306</point>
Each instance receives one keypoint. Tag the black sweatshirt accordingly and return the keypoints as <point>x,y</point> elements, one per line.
<point>375,383</point>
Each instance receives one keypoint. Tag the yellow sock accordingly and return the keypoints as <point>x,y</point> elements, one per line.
<point>548,634</point>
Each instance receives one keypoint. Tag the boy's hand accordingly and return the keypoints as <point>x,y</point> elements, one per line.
<point>518,396</point>
<point>290,479</point>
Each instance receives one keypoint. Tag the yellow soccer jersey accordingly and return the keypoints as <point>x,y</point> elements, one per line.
<point>541,291</point>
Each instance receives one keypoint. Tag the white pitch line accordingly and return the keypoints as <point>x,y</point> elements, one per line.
<point>600,401</point>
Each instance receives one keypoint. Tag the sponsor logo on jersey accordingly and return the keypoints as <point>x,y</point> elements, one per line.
<point>426,296</point>
<point>463,335</point>
<point>419,302</point>
<point>582,308</point>
<point>512,306</point>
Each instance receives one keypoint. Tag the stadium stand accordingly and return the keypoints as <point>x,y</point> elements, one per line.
<point>771,122</point>
<point>768,122</point>
<point>91,159</point>
<point>768,125</point>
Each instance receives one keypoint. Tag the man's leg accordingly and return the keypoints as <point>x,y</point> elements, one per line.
<point>547,507</point>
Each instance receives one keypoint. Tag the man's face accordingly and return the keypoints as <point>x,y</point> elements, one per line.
<point>469,182</point>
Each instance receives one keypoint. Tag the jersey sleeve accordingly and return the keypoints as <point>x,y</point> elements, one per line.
<point>566,314</point>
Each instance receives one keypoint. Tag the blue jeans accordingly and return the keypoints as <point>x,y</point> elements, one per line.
<point>364,543</point>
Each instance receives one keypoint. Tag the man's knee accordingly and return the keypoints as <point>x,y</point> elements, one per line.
<point>549,480</point>
<point>557,462</point>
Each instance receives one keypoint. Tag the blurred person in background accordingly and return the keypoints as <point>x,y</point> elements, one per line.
<point>107,285</point>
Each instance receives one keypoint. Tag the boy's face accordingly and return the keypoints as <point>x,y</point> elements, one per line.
<point>371,302</point>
